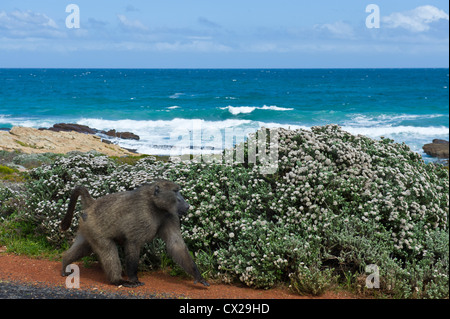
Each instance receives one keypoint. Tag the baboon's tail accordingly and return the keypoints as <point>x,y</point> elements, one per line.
<point>86,201</point>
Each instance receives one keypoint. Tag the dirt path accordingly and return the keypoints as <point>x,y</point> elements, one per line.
<point>158,284</point>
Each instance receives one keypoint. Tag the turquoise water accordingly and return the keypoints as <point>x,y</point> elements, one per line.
<point>162,106</point>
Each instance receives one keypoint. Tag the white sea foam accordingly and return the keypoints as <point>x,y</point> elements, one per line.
<point>162,137</point>
<point>395,126</point>
<point>177,124</point>
<point>397,130</point>
<point>176,95</point>
<point>388,119</point>
<point>235,110</point>
<point>157,137</point>
<point>25,122</point>
<point>275,108</point>
<point>415,137</point>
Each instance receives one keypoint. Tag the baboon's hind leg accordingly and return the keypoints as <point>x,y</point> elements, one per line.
<point>109,257</point>
<point>79,249</point>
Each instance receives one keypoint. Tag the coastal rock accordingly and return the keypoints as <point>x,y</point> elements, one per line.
<point>30,140</point>
<point>439,148</point>
<point>65,127</point>
<point>70,127</point>
<point>124,135</point>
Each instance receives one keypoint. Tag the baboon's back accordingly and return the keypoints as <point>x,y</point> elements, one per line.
<point>120,214</point>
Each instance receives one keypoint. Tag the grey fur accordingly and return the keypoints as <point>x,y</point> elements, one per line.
<point>129,218</point>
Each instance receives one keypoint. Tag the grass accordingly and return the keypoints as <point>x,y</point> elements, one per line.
<point>6,170</point>
<point>11,175</point>
<point>20,238</point>
<point>27,145</point>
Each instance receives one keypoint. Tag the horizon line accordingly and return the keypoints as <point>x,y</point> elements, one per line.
<point>219,68</point>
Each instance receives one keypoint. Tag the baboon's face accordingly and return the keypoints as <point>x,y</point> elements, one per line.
<point>182,206</point>
<point>168,197</point>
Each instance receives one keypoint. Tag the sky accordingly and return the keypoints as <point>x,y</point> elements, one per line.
<point>224,34</point>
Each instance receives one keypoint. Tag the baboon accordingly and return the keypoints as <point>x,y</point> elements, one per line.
<point>130,219</point>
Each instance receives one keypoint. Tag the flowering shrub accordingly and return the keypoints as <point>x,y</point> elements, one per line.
<point>336,203</point>
<point>8,202</point>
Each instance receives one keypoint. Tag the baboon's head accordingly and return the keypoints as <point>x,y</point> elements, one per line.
<point>167,197</point>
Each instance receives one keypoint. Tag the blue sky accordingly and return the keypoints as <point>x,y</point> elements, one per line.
<point>224,34</point>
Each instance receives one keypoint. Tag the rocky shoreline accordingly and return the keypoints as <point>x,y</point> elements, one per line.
<point>61,139</point>
<point>438,148</point>
<point>66,137</point>
<point>69,127</point>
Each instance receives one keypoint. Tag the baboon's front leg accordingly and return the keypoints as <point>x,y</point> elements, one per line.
<point>177,249</point>
<point>132,251</point>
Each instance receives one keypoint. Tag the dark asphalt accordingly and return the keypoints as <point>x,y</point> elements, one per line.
<point>11,290</point>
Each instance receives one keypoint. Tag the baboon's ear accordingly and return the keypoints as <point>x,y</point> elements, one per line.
<point>156,189</point>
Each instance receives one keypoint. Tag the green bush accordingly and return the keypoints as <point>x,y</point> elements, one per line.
<point>336,204</point>
<point>11,202</point>
<point>6,170</point>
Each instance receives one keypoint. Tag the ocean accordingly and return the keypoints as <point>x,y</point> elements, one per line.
<point>164,106</point>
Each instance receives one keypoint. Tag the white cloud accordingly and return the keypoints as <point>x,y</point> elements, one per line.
<point>32,31</point>
<point>192,46</point>
<point>131,25</point>
<point>29,18</point>
<point>166,46</point>
<point>28,24</point>
<point>416,20</point>
<point>337,29</point>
